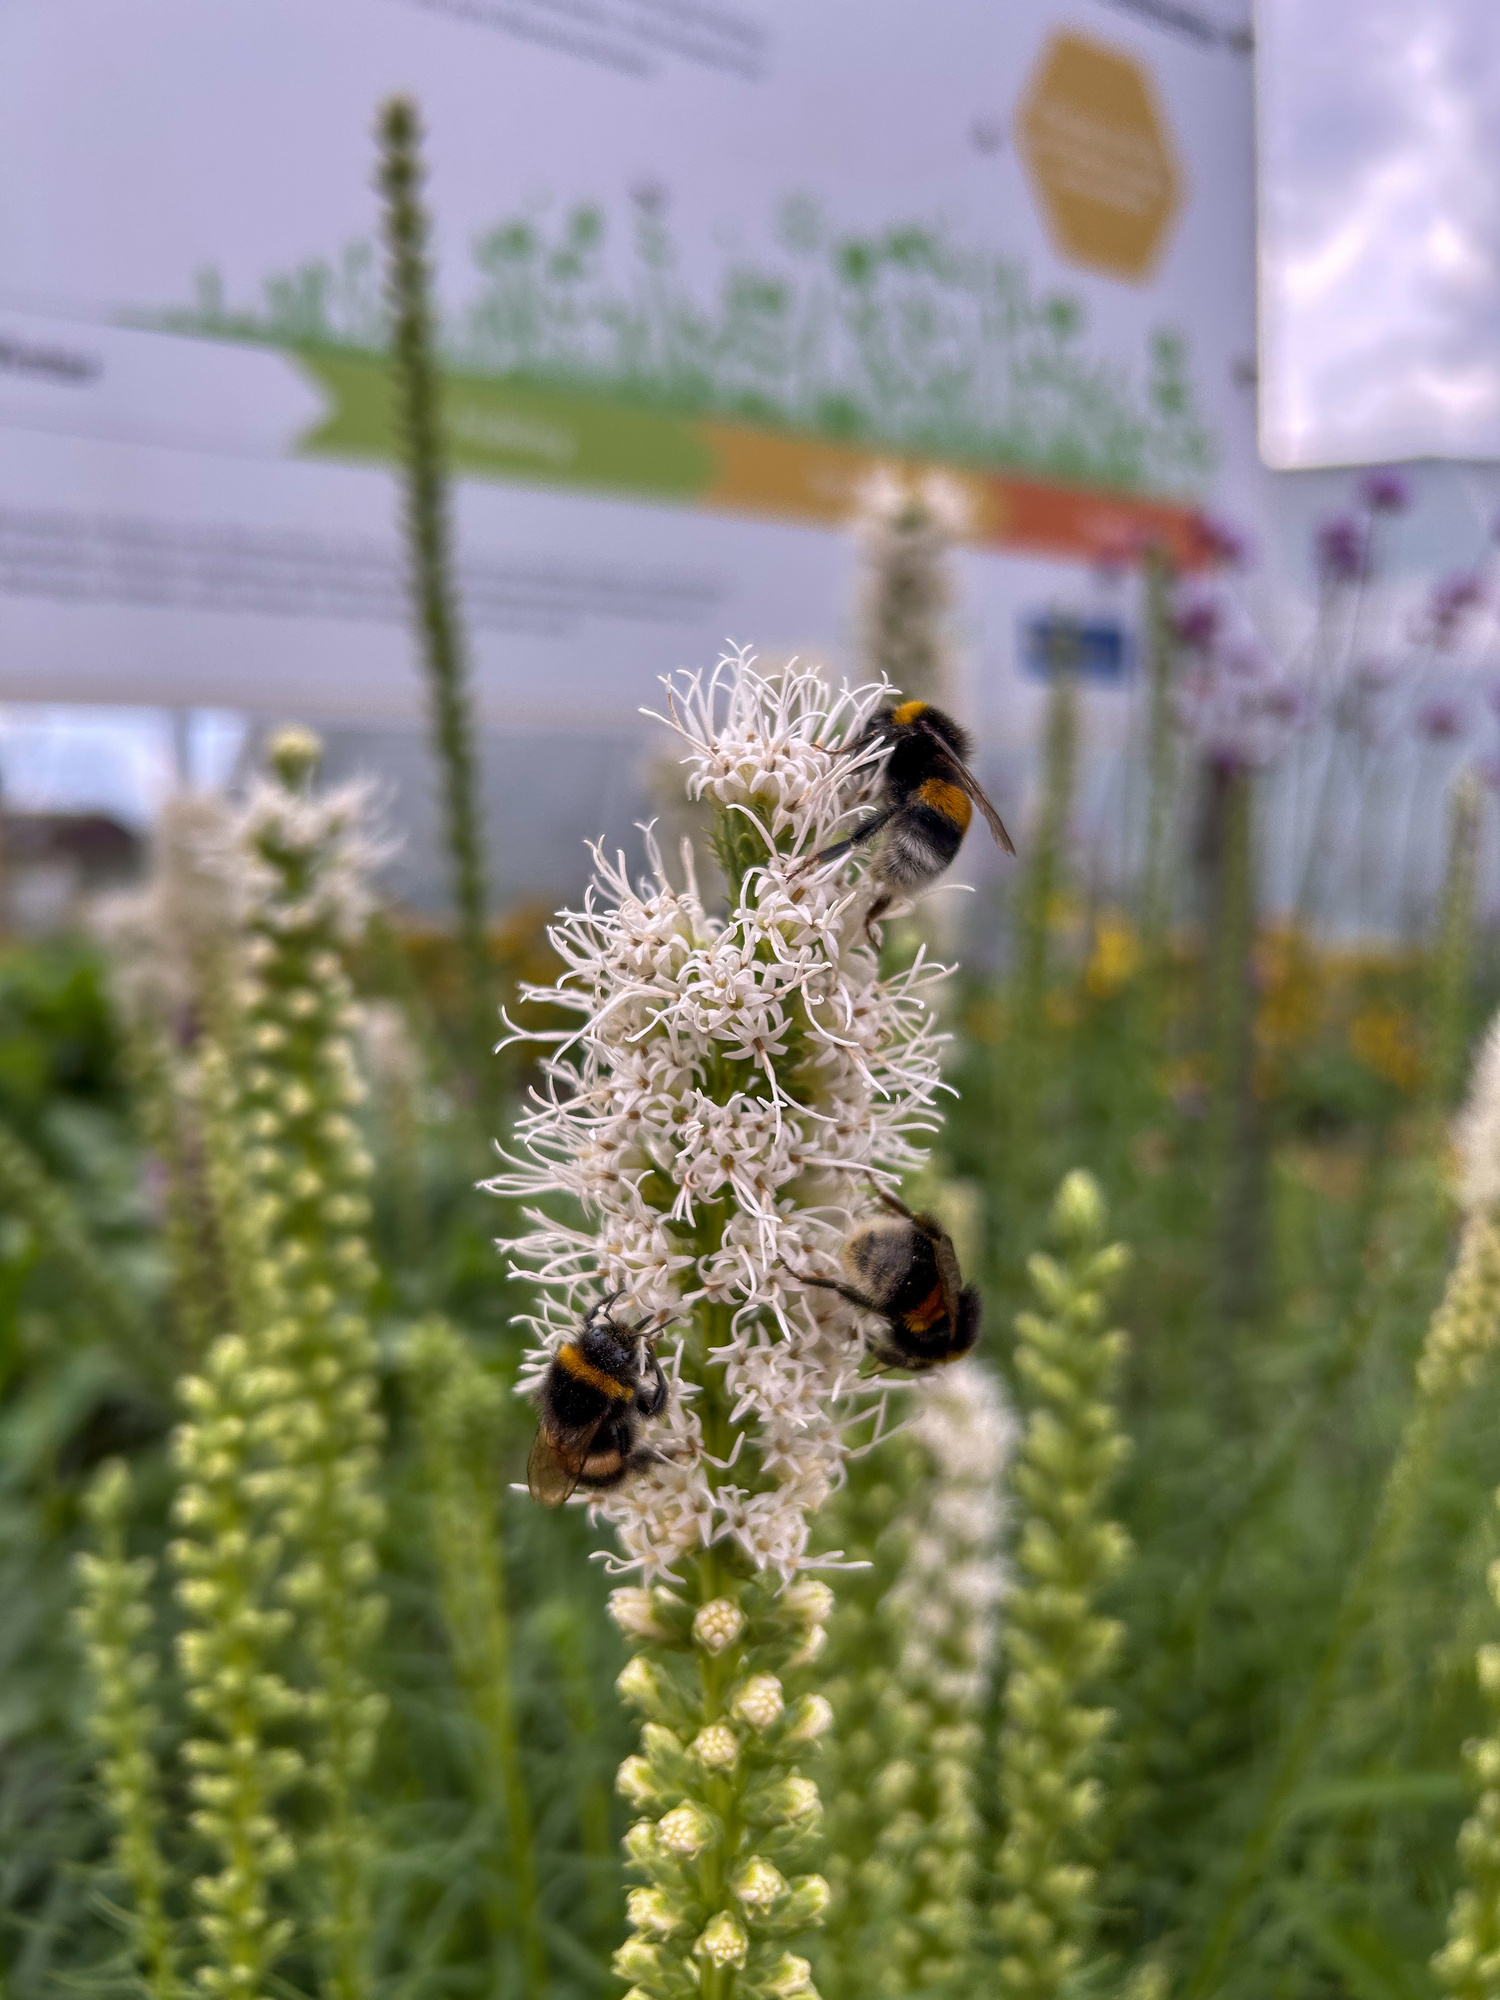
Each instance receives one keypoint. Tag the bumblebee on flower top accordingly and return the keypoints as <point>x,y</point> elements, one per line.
<point>927,799</point>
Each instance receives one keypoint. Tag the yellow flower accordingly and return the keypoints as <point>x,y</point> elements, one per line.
<point>1116,956</point>
<point>1382,1037</point>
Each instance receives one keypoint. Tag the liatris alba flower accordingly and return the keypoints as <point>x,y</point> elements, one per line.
<point>910,1659</point>
<point>1461,1338</point>
<point>907,533</point>
<point>733,1082</point>
<point>1057,1643</point>
<point>114,1617</point>
<point>302,863</point>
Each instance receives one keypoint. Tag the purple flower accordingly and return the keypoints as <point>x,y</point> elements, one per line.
<point>1455,595</point>
<point>1385,492</point>
<point>1282,702</point>
<point>1197,623</point>
<point>1341,550</point>
<point>1221,543</point>
<point>1440,720</point>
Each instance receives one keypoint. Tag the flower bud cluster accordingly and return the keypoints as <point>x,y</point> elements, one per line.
<point>227,1556</point>
<point>907,533</point>
<point>303,863</point>
<point>910,1662</point>
<point>726,1815</point>
<point>1056,1641</point>
<point>114,1619</point>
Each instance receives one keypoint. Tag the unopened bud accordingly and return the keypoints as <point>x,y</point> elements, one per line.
<point>645,1687</point>
<point>809,1718</point>
<point>723,1942</point>
<point>686,1830</point>
<point>718,1624</point>
<point>652,1910</point>
<point>717,1748</point>
<point>791,1979</point>
<point>809,1602</point>
<point>1078,1212</point>
<point>758,1885</point>
<point>758,1702</point>
<point>633,1614</point>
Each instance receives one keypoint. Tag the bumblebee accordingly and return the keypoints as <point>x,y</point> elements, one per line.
<point>595,1392</point>
<point>927,800</point>
<point>904,1268</point>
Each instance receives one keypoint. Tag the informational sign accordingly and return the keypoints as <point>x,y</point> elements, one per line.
<point>703,267</point>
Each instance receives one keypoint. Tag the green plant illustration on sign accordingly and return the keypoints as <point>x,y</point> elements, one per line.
<point>901,338</point>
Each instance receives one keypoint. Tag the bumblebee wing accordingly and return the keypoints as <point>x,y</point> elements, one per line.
<point>992,819</point>
<point>949,1276</point>
<point>556,1464</point>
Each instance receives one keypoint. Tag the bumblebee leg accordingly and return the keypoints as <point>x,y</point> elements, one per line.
<point>875,912</point>
<point>889,1201</point>
<point>833,1285</point>
<point>860,835</point>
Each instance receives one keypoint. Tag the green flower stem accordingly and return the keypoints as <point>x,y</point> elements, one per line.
<point>1234,1124</point>
<point>114,1617</point>
<point>310,1171</point>
<point>1462,1333</point>
<point>457,1410</point>
<point>1161,665</point>
<point>1057,1644</point>
<point>1044,874</point>
<point>429,534</point>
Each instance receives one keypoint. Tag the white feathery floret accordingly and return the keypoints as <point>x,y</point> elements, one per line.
<point>753,1058</point>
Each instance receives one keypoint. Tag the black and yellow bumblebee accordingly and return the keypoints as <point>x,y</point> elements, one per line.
<point>600,1384</point>
<point>927,799</point>
<point>905,1269</point>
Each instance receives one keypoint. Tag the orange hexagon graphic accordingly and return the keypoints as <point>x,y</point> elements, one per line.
<point>1099,155</point>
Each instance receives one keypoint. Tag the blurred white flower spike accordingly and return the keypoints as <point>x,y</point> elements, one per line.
<point>733,1083</point>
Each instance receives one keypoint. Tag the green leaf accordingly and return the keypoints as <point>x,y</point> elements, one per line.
<point>1369,1964</point>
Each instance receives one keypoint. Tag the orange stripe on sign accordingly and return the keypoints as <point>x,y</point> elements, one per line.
<point>810,479</point>
<point>576,1363</point>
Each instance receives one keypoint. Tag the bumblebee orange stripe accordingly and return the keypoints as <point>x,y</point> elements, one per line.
<point>573,1360</point>
<point>952,801</point>
<point>922,1318</point>
<point>907,712</point>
